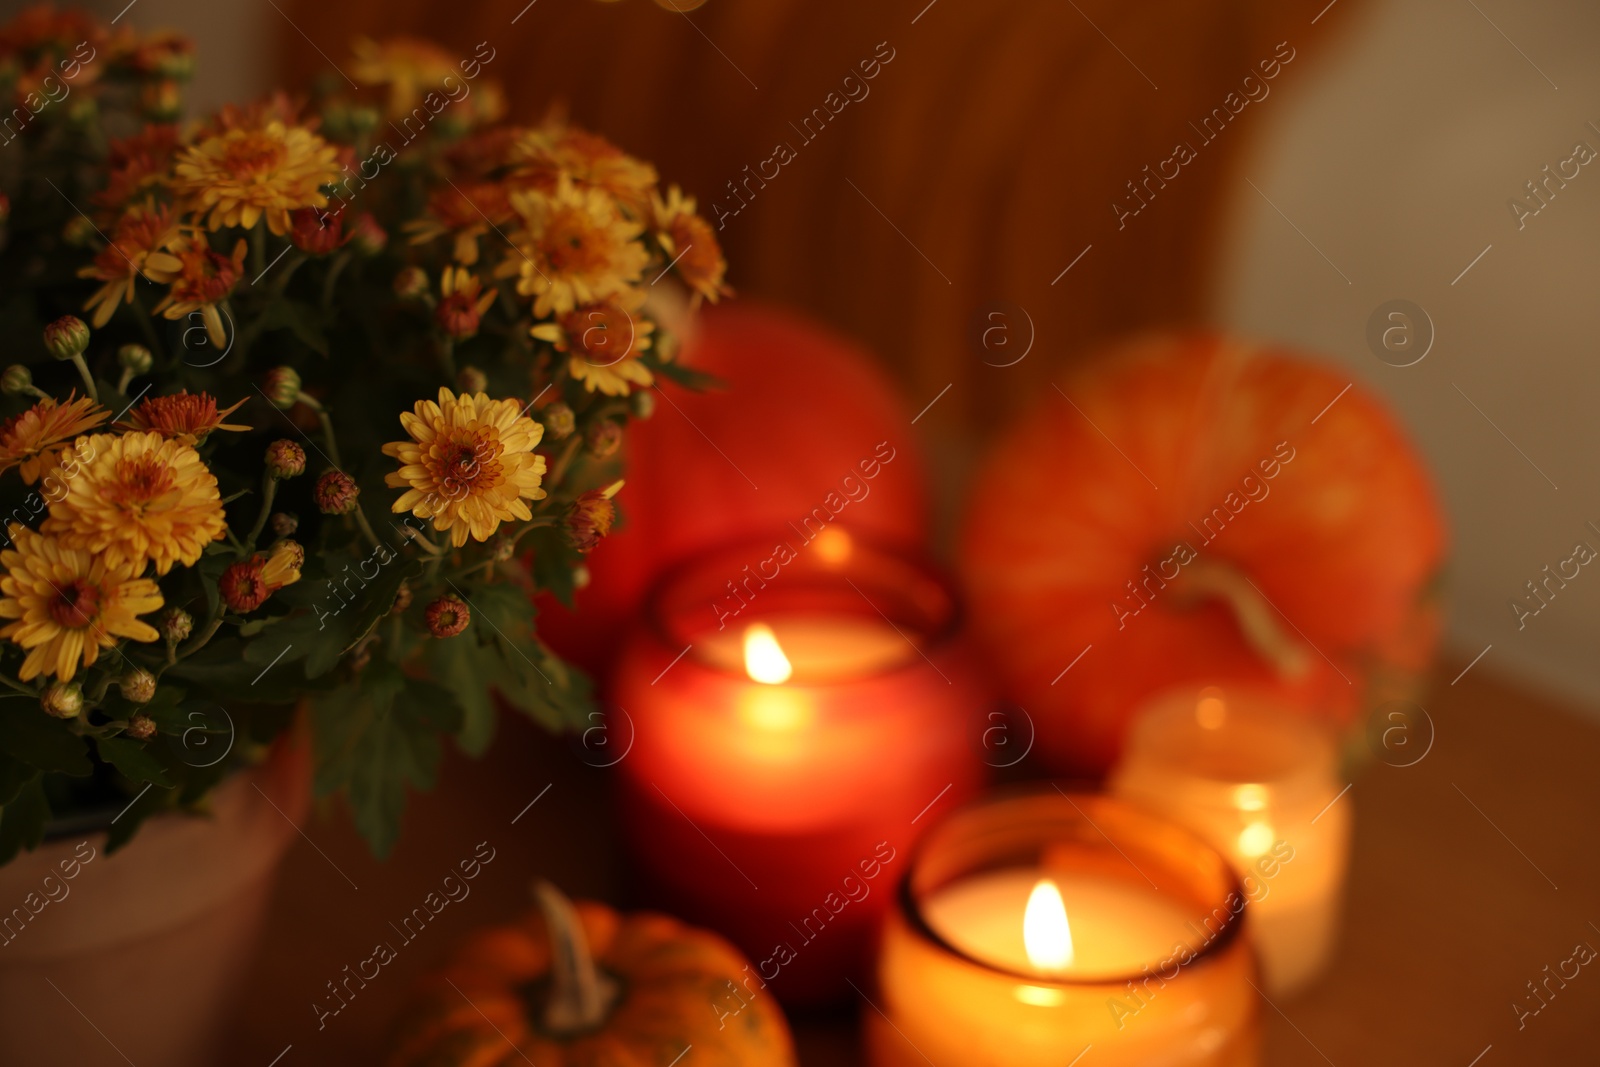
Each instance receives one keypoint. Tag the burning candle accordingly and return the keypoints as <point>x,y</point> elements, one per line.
<point>789,738</point>
<point>1258,780</point>
<point>1035,926</point>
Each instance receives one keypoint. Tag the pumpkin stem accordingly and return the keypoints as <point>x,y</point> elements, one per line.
<point>581,997</point>
<point>1257,618</point>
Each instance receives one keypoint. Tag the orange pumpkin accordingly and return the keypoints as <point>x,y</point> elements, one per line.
<point>799,411</point>
<point>1193,508</point>
<point>577,985</point>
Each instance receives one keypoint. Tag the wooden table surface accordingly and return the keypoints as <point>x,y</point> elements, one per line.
<point>1473,869</point>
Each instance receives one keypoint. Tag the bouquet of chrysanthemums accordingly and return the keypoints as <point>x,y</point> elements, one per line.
<point>306,401</point>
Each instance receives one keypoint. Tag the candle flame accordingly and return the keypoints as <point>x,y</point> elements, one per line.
<point>764,660</point>
<point>1045,932</point>
<point>1257,838</point>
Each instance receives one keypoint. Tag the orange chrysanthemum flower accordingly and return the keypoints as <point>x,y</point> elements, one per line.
<point>469,464</point>
<point>605,342</point>
<point>251,172</point>
<point>576,248</point>
<point>33,439</point>
<point>138,498</point>
<point>200,279</point>
<point>589,160</point>
<point>137,250</point>
<point>690,244</point>
<point>409,67</point>
<point>184,416</point>
<point>68,604</point>
<point>465,211</point>
<point>138,165</point>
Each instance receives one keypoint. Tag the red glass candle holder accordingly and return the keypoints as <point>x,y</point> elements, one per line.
<point>781,813</point>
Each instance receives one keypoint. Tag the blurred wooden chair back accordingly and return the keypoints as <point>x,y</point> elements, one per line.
<point>931,209</point>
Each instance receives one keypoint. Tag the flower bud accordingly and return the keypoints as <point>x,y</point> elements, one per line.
<point>135,359</point>
<point>141,727</point>
<point>366,236</point>
<point>335,493</point>
<point>282,387</point>
<point>64,700</point>
<point>16,380</point>
<point>643,404</point>
<point>603,438</point>
<point>161,100</point>
<point>315,232</point>
<point>67,337</point>
<point>559,421</point>
<point>137,686</point>
<point>470,380</point>
<point>590,517</point>
<point>175,625</point>
<point>285,459</point>
<point>411,284</point>
<point>243,586</point>
<point>283,523</point>
<point>447,616</point>
<point>402,599</point>
<point>78,232</point>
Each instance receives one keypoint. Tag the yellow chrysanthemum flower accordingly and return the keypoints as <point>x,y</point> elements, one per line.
<point>32,439</point>
<point>68,604</point>
<point>690,244</point>
<point>138,498</point>
<point>576,248</point>
<point>469,464</point>
<point>249,172</point>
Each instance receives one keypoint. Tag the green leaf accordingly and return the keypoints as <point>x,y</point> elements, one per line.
<point>299,319</point>
<point>22,821</point>
<point>130,758</point>
<point>688,377</point>
<point>378,745</point>
<point>536,682</point>
<point>14,774</point>
<point>555,563</point>
<point>224,667</point>
<point>255,626</point>
<point>459,664</point>
<point>32,736</point>
<point>505,608</point>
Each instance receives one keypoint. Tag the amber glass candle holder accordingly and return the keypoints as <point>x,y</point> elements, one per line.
<point>780,811</point>
<point>1160,971</point>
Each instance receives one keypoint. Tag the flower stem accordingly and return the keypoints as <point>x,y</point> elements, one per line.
<point>88,379</point>
<point>269,489</point>
<point>18,686</point>
<point>258,248</point>
<point>366,528</point>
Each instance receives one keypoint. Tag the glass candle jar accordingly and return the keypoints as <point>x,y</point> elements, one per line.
<point>800,712</point>
<point>1036,925</point>
<point>1259,781</point>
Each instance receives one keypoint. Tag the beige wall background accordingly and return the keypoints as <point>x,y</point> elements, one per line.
<point>1384,173</point>
<point>1397,160</point>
